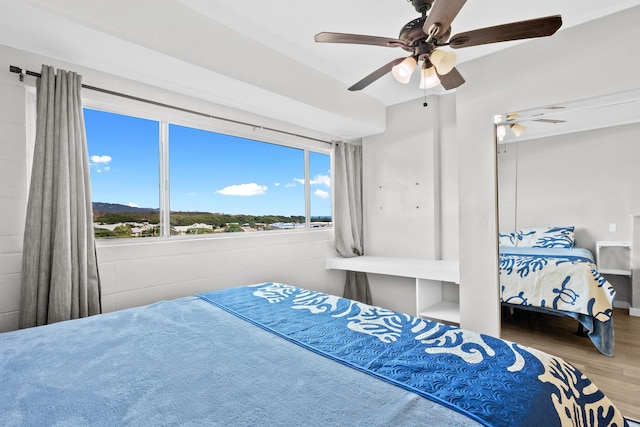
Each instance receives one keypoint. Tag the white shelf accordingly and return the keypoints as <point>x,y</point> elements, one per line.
<point>444,270</point>
<point>428,274</point>
<point>446,311</point>
<point>613,257</point>
<point>613,243</point>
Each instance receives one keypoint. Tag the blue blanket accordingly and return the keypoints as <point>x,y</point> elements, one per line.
<point>564,281</point>
<point>187,362</point>
<point>493,381</point>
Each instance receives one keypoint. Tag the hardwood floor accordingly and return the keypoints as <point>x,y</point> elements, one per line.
<point>618,376</point>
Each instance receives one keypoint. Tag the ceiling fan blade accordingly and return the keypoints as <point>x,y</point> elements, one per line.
<point>539,27</point>
<point>452,79</point>
<point>442,14</point>
<point>376,75</point>
<point>358,39</point>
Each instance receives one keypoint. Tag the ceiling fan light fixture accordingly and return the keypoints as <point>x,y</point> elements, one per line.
<point>428,78</point>
<point>402,71</point>
<point>443,61</point>
<point>517,129</point>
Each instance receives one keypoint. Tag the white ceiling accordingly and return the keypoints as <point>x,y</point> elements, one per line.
<point>288,28</point>
<point>258,55</point>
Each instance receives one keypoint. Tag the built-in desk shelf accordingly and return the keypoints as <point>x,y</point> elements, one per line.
<point>613,257</point>
<point>430,276</point>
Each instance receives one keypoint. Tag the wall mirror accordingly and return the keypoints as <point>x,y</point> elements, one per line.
<point>569,176</point>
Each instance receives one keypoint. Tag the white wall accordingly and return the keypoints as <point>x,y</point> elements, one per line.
<point>144,272</point>
<point>141,272</point>
<point>593,59</point>
<point>13,199</point>
<point>410,193</point>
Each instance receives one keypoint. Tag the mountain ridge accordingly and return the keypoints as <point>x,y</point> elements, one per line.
<point>117,207</point>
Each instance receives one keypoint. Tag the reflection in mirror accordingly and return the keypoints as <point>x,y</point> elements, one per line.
<point>568,195</point>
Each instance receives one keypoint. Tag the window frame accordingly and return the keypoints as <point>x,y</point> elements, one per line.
<point>166,117</point>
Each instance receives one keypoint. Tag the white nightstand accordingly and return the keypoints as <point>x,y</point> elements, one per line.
<point>613,257</point>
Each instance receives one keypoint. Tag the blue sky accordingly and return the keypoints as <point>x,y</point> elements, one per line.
<point>209,172</point>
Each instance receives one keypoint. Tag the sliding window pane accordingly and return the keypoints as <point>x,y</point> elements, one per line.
<point>221,183</point>
<point>124,159</point>
<point>320,181</point>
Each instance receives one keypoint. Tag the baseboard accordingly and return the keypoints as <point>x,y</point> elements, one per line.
<point>621,304</point>
<point>634,311</point>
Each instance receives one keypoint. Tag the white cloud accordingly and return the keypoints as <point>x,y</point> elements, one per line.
<point>291,184</point>
<point>277,184</point>
<point>321,193</point>
<point>316,180</point>
<point>104,169</point>
<point>132,205</point>
<point>100,159</point>
<point>321,180</point>
<point>251,189</point>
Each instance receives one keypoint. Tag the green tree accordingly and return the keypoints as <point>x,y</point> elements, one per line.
<point>123,230</point>
<point>103,232</point>
<point>233,228</point>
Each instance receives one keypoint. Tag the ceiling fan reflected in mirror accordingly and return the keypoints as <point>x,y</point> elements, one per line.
<point>514,122</point>
<point>423,37</point>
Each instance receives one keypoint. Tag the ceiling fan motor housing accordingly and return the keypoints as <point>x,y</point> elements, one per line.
<point>414,35</point>
<point>422,6</point>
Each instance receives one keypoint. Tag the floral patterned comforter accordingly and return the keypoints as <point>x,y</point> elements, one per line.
<point>563,280</point>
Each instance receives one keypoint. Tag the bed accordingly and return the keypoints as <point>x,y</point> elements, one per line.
<point>274,354</point>
<point>541,269</point>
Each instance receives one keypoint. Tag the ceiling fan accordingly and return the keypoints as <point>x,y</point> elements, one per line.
<point>423,37</point>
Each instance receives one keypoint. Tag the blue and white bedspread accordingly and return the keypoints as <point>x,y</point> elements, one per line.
<point>495,382</point>
<point>564,281</point>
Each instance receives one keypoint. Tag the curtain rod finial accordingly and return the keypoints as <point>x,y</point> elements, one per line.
<point>14,69</point>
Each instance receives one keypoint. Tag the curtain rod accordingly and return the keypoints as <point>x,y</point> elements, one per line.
<point>18,70</point>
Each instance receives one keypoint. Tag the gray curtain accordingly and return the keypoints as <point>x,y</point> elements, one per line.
<point>348,215</point>
<point>60,278</point>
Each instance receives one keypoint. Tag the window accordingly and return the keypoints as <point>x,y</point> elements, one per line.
<point>124,158</point>
<point>217,183</point>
